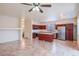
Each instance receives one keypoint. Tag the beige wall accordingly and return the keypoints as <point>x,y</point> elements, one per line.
<point>9,22</point>
<point>7,28</point>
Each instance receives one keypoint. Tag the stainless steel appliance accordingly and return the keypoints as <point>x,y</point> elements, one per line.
<point>61,32</point>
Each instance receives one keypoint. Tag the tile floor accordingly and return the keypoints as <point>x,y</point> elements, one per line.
<point>36,47</point>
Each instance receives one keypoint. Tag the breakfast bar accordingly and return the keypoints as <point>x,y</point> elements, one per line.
<point>45,35</point>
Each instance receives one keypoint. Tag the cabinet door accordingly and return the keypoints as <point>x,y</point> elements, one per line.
<point>42,27</point>
<point>69,31</point>
<point>35,27</point>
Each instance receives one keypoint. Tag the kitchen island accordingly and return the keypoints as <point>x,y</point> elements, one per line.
<point>44,35</point>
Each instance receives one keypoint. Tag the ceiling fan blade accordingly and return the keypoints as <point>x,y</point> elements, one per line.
<point>41,10</point>
<point>34,4</point>
<point>48,5</point>
<point>27,4</point>
<point>30,9</point>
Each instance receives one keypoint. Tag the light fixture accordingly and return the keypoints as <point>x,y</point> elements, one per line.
<point>36,8</point>
<point>61,16</point>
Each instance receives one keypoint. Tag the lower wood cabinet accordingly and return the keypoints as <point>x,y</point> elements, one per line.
<point>46,37</point>
<point>35,35</point>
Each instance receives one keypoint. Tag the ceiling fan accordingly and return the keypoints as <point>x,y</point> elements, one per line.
<point>36,6</point>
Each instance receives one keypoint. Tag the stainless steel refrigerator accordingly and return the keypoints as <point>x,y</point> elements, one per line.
<point>61,33</point>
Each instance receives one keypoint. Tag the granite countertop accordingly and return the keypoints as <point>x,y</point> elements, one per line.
<point>50,33</point>
<point>44,32</point>
<point>37,31</point>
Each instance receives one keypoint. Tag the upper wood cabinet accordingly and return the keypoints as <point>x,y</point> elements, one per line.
<point>39,26</point>
<point>42,26</point>
<point>35,26</point>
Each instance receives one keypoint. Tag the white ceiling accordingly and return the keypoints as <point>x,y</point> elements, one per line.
<point>17,10</point>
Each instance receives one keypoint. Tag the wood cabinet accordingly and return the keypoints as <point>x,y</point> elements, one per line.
<point>39,26</point>
<point>35,35</point>
<point>68,31</point>
<point>35,26</point>
<point>42,27</point>
<point>46,37</point>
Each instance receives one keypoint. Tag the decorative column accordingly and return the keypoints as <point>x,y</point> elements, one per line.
<point>22,27</point>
